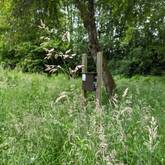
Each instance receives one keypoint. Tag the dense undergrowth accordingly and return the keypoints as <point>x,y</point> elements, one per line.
<point>43,122</point>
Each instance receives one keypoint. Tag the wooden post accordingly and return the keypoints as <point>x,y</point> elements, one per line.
<point>99,78</point>
<point>84,70</point>
<point>84,63</point>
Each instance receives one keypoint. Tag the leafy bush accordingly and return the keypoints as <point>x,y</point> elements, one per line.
<point>22,55</point>
<point>32,57</point>
<point>140,60</point>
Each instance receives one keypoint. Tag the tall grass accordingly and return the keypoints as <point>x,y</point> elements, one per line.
<point>43,122</point>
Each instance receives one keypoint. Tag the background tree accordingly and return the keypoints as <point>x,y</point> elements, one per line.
<point>87,13</point>
<point>130,32</point>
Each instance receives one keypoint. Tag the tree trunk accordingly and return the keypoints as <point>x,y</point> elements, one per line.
<point>88,17</point>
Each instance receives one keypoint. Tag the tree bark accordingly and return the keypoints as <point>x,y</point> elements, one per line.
<point>88,17</point>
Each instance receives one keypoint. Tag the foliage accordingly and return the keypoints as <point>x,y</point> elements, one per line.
<point>123,28</point>
<point>140,60</point>
<point>49,50</point>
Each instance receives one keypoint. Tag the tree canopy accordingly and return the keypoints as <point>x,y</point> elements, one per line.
<point>130,32</point>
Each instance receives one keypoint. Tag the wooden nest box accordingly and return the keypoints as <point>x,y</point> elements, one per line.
<point>89,81</point>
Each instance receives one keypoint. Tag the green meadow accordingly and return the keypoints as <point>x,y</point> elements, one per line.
<point>43,122</point>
